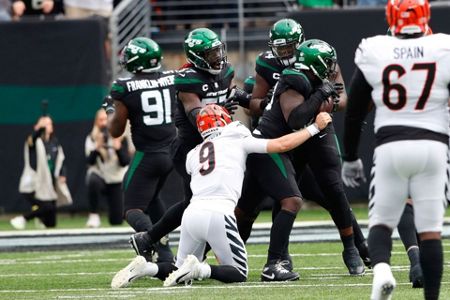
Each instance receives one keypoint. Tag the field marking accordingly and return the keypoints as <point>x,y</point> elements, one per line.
<point>70,261</point>
<point>248,285</point>
<point>395,268</point>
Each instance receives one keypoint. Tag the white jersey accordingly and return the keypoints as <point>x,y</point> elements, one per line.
<point>410,79</point>
<point>217,165</point>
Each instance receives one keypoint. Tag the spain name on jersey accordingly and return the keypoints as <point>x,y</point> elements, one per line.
<point>410,79</point>
<point>217,165</point>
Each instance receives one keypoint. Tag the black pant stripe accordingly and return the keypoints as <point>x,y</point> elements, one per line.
<point>231,224</point>
<point>235,240</point>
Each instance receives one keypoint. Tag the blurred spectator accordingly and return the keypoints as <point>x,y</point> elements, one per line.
<point>43,180</point>
<point>5,10</point>
<point>107,159</point>
<point>76,9</point>
<point>22,8</point>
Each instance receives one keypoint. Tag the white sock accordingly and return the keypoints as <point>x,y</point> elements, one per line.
<point>205,270</point>
<point>151,269</point>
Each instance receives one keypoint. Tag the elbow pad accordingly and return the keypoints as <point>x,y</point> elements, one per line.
<point>302,115</point>
<point>192,116</point>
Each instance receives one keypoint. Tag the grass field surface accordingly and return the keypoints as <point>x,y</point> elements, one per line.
<point>87,275</point>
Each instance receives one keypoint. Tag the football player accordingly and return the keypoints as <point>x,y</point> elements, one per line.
<point>147,100</point>
<point>217,168</point>
<point>407,79</point>
<point>298,96</point>
<point>285,36</point>
<point>206,79</point>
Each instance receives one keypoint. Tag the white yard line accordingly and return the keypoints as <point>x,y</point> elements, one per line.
<point>177,289</point>
<point>70,261</point>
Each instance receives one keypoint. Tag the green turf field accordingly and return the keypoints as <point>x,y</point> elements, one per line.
<point>87,275</point>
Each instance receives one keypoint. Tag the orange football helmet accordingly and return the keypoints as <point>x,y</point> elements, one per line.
<point>211,118</point>
<point>408,16</point>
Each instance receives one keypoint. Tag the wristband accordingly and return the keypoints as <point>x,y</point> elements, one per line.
<point>313,129</point>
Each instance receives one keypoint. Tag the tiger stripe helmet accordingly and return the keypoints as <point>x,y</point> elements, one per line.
<point>406,17</point>
<point>211,119</point>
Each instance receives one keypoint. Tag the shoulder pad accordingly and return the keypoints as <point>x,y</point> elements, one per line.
<point>296,80</point>
<point>118,89</point>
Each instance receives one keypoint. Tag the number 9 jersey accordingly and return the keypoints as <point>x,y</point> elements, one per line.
<point>150,101</point>
<point>409,79</point>
<point>217,165</point>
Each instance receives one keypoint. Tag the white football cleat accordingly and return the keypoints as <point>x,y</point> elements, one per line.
<point>135,269</point>
<point>93,221</point>
<point>18,222</point>
<point>189,270</point>
<point>383,284</point>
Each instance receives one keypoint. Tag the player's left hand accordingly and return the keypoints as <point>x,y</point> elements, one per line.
<point>230,106</point>
<point>239,95</point>
<point>353,173</point>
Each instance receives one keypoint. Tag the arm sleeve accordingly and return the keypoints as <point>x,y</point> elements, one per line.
<point>359,100</point>
<point>255,145</point>
<point>305,112</point>
<point>122,154</point>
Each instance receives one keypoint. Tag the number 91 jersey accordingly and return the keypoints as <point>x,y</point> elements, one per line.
<point>150,100</point>
<point>410,80</point>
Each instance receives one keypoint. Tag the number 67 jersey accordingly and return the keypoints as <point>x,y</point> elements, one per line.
<point>409,79</point>
<point>150,101</point>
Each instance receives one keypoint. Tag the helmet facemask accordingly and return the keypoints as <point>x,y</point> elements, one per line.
<point>284,52</point>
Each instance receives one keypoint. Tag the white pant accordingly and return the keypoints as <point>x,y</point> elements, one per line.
<point>402,169</point>
<point>199,226</point>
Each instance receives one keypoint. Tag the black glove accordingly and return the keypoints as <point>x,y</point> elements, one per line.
<point>230,106</point>
<point>328,89</point>
<point>108,105</point>
<point>239,95</point>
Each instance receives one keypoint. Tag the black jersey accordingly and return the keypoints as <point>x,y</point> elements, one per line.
<point>150,100</point>
<point>272,123</point>
<point>210,89</point>
<point>268,67</point>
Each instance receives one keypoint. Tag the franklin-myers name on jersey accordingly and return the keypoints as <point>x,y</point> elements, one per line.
<point>142,84</point>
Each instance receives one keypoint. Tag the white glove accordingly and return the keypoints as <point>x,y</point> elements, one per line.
<point>353,172</point>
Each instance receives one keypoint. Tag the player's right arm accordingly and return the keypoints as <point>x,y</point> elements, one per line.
<point>117,121</point>
<point>259,96</point>
<point>192,105</point>
<point>295,139</point>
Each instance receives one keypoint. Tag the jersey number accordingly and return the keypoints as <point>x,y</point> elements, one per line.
<point>160,110</point>
<point>207,158</point>
<point>388,87</point>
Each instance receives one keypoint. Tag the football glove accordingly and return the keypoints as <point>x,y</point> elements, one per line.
<point>353,173</point>
<point>108,105</point>
<point>239,95</point>
<point>328,89</point>
<point>230,106</point>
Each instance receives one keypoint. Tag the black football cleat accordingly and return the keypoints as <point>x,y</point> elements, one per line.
<point>287,263</point>
<point>275,271</point>
<point>363,250</point>
<point>416,276</point>
<point>142,245</point>
<point>353,262</point>
<point>163,253</point>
